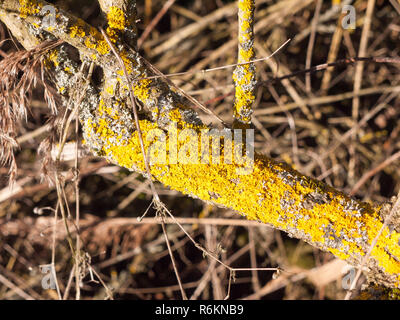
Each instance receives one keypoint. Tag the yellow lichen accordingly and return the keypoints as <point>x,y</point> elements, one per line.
<point>142,90</point>
<point>90,37</point>
<point>116,23</point>
<point>28,8</point>
<point>102,47</point>
<point>110,90</point>
<point>175,115</point>
<point>53,57</point>
<point>246,55</point>
<point>77,30</point>
<point>116,18</point>
<point>246,7</point>
<point>106,110</point>
<point>127,62</point>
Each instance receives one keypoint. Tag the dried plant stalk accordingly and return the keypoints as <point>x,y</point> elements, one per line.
<point>19,73</point>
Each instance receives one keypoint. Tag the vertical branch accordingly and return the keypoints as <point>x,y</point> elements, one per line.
<point>244,75</point>
<point>121,18</point>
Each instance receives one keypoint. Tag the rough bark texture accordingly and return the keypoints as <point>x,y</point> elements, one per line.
<point>270,192</point>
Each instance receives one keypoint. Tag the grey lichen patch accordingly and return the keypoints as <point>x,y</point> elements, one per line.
<point>287,201</point>
<point>89,103</point>
<point>287,178</point>
<point>64,69</point>
<point>331,239</point>
<point>34,30</point>
<point>189,116</point>
<point>247,45</point>
<point>352,207</point>
<point>359,237</point>
<point>315,198</point>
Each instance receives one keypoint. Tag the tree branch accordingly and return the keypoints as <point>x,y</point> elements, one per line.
<point>121,18</point>
<point>270,192</point>
<point>244,75</point>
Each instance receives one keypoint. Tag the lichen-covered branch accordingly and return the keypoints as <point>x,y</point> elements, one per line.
<point>158,97</point>
<point>273,193</point>
<point>244,75</point>
<point>270,192</point>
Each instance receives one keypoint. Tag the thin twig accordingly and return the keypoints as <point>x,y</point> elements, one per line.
<point>394,157</point>
<point>184,297</point>
<point>311,42</point>
<point>228,66</point>
<point>323,66</point>
<point>154,22</point>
